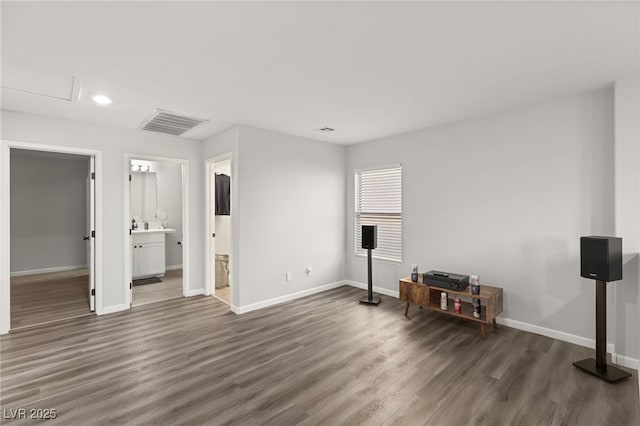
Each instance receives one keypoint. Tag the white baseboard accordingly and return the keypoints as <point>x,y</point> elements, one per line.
<point>381,290</point>
<point>618,359</point>
<point>285,298</point>
<point>114,308</point>
<point>622,360</point>
<point>48,270</point>
<point>196,292</point>
<point>173,267</point>
<point>554,334</point>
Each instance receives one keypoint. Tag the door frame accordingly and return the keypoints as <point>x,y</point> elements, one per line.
<point>209,266</point>
<point>5,221</point>
<point>186,241</point>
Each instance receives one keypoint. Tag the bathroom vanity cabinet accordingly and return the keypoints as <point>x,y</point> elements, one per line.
<point>148,253</point>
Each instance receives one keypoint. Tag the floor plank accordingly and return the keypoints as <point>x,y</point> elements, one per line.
<point>323,359</point>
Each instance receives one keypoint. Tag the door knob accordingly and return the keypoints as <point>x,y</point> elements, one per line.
<point>86,238</point>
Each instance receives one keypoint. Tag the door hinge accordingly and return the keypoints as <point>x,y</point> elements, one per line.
<point>130,286</point>
<point>93,291</point>
<point>129,231</point>
<point>213,235</point>
<point>93,175</point>
<point>129,178</point>
<point>93,234</point>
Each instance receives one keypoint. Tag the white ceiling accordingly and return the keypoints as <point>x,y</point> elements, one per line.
<point>368,70</point>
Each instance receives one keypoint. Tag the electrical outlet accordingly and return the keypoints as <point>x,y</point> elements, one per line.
<point>289,275</point>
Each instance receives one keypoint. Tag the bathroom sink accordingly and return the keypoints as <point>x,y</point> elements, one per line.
<point>151,231</point>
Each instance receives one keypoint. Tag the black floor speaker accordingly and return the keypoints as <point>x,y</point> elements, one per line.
<point>601,260</point>
<point>370,242</point>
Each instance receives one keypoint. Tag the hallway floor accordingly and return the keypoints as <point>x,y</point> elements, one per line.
<point>224,294</point>
<point>170,287</point>
<point>42,298</point>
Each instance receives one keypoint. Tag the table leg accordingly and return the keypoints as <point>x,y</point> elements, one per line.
<point>406,310</point>
<point>495,325</point>
<point>482,330</point>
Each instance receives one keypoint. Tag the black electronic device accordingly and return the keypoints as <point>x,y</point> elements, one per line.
<point>370,242</point>
<point>369,236</point>
<point>601,258</point>
<point>446,280</point>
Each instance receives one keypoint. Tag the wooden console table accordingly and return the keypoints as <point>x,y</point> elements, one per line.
<point>428,297</point>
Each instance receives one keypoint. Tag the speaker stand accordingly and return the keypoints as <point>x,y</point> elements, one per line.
<point>598,367</point>
<point>370,300</point>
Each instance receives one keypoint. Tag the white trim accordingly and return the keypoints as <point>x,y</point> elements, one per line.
<point>285,298</point>
<point>622,360</point>
<point>382,167</point>
<point>48,270</point>
<point>196,292</point>
<point>185,220</point>
<point>209,287</point>
<point>114,308</point>
<point>173,267</point>
<point>381,290</point>
<point>5,225</point>
<point>554,334</point>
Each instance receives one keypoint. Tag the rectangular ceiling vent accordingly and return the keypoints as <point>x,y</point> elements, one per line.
<point>170,123</point>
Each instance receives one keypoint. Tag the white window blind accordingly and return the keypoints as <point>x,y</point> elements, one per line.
<point>378,201</point>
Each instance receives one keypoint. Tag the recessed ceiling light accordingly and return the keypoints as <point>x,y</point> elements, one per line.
<point>101,99</point>
<point>327,130</point>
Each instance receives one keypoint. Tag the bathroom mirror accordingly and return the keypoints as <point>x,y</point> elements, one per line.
<point>143,195</point>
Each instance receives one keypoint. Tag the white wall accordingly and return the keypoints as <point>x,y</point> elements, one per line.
<point>506,197</point>
<point>627,214</point>
<point>289,207</point>
<point>292,200</point>
<point>169,199</point>
<point>48,211</point>
<point>114,143</point>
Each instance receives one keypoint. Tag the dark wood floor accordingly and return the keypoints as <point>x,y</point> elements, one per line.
<point>42,298</point>
<point>323,360</point>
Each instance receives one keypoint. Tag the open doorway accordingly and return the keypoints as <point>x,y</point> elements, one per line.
<point>157,227</point>
<point>219,217</point>
<point>52,236</point>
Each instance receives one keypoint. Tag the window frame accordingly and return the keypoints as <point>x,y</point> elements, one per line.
<point>358,251</point>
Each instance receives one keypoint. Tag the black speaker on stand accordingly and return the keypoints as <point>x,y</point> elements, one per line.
<point>370,242</point>
<point>601,260</point>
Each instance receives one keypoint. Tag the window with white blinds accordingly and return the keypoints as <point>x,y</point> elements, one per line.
<point>378,201</point>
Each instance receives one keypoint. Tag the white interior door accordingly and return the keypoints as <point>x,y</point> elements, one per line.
<point>212,217</point>
<point>134,190</point>
<point>91,233</point>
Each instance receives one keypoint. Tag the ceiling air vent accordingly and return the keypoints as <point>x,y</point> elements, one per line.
<point>169,123</point>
